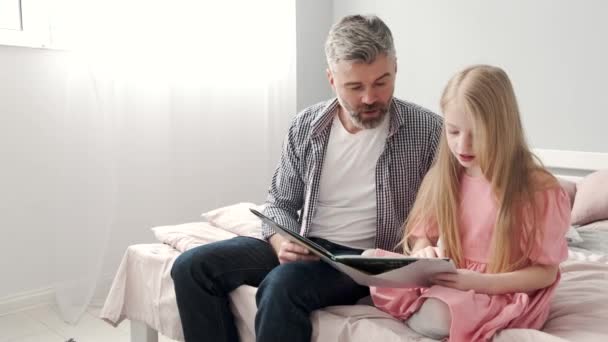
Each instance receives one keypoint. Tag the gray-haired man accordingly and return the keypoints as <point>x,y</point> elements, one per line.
<point>347,177</point>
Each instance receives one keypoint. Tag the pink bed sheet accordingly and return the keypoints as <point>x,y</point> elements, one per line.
<point>143,290</point>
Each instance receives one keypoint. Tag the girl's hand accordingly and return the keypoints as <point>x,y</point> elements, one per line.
<point>428,252</point>
<point>369,252</point>
<point>464,280</point>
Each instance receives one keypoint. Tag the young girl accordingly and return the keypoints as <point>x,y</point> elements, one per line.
<point>494,210</point>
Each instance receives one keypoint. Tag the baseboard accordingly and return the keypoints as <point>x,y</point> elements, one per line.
<point>43,297</point>
<point>26,300</point>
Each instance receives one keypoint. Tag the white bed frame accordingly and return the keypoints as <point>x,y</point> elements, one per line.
<point>572,165</point>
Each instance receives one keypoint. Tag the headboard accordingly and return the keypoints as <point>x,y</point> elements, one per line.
<point>572,165</point>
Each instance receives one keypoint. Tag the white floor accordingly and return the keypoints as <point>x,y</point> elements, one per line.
<point>44,325</point>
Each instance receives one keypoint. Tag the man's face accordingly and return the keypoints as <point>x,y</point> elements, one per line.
<point>364,90</point>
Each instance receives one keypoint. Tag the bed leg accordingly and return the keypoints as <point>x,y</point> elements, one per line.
<point>141,332</point>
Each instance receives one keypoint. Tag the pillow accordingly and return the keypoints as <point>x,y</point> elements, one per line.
<point>573,237</point>
<point>601,225</point>
<point>189,235</point>
<point>591,200</point>
<point>595,240</point>
<point>569,187</point>
<point>237,219</point>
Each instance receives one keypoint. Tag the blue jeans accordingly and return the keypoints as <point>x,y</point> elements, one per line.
<point>287,293</point>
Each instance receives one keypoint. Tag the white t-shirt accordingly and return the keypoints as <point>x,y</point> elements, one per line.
<point>346,206</point>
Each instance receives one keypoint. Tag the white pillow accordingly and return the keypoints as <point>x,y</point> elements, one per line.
<point>189,235</point>
<point>573,237</point>
<point>591,200</point>
<point>237,219</point>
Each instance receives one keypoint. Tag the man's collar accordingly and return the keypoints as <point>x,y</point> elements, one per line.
<point>326,115</point>
<point>397,117</point>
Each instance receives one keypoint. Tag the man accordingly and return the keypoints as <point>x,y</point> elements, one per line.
<point>347,177</point>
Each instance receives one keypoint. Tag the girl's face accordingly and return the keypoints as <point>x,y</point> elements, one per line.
<point>459,133</point>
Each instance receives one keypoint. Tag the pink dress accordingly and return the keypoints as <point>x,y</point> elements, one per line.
<point>477,317</point>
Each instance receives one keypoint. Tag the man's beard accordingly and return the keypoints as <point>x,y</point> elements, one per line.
<point>368,123</point>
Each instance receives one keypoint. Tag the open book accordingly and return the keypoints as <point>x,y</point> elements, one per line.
<point>368,270</point>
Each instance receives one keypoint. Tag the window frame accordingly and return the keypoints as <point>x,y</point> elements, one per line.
<point>35,28</point>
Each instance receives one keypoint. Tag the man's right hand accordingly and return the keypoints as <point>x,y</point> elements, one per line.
<point>288,251</point>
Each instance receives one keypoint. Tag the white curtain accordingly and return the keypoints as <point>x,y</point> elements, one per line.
<point>171,108</point>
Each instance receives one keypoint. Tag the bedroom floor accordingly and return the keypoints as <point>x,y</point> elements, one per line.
<point>43,324</point>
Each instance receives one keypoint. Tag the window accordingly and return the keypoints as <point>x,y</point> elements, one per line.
<point>10,15</point>
<point>24,23</point>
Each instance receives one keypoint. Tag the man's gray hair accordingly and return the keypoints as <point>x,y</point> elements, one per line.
<point>358,38</point>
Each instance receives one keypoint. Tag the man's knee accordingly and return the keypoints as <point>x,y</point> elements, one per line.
<point>183,266</point>
<point>222,266</point>
<point>193,267</point>
<point>284,283</point>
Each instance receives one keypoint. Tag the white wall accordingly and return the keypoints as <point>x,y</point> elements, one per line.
<point>48,170</point>
<point>30,88</point>
<point>313,21</point>
<point>47,193</point>
<point>555,52</point>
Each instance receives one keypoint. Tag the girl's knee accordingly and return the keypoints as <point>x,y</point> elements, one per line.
<point>433,319</point>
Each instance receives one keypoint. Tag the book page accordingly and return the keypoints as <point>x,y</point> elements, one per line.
<point>413,275</point>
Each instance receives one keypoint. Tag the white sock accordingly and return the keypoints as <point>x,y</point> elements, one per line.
<point>433,319</point>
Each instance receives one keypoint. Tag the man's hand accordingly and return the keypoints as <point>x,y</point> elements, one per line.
<point>288,251</point>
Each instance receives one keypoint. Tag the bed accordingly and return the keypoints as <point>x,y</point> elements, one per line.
<point>142,290</point>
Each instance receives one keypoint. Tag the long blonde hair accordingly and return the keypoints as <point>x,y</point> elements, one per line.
<point>486,94</point>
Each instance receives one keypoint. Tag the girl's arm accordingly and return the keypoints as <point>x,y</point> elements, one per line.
<point>419,244</point>
<point>528,279</point>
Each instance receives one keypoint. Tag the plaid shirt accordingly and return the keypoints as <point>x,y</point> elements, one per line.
<point>413,138</point>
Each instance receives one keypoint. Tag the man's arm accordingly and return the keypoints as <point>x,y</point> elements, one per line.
<point>285,199</point>
<point>433,144</point>
<point>286,194</point>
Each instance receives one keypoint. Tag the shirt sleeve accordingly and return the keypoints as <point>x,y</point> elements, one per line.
<point>286,194</point>
<point>553,218</point>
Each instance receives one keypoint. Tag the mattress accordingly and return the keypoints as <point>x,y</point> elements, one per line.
<point>143,290</point>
